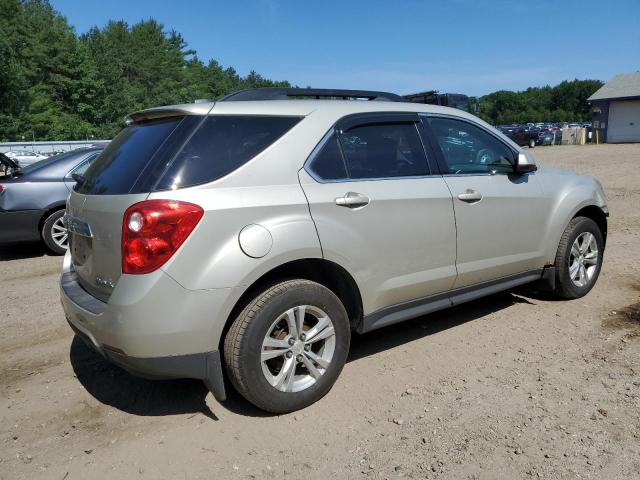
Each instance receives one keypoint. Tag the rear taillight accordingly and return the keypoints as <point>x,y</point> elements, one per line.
<point>153,230</point>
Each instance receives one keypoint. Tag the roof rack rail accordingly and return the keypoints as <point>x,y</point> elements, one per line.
<point>430,96</point>
<point>275,93</point>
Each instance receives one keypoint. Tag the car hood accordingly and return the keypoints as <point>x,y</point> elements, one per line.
<point>556,170</point>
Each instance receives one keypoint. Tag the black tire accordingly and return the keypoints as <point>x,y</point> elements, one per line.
<point>532,142</point>
<point>243,344</point>
<point>47,233</point>
<point>565,287</point>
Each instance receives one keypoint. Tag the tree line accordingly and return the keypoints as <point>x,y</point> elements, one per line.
<point>57,85</point>
<point>566,102</point>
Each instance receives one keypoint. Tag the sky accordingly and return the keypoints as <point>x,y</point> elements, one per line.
<point>463,46</point>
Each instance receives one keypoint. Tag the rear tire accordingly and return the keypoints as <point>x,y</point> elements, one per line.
<point>54,233</point>
<point>579,258</point>
<point>269,359</point>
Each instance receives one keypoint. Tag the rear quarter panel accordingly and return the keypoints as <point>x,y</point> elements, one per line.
<point>212,257</point>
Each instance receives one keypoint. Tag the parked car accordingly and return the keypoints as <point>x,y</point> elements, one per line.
<point>253,237</point>
<point>32,199</point>
<point>522,135</point>
<point>25,158</point>
<point>550,137</point>
<point>7,166</point>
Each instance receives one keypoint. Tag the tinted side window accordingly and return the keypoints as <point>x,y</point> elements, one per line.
<point>221,145</point>
<point>82,168</point>
<point>469,149</point>
<point>116,170</point>
<point>383,151</point>
<point>328,164</point>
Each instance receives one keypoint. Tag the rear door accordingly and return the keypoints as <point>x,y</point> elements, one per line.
<point>500,216</point>
<point>379,211</point>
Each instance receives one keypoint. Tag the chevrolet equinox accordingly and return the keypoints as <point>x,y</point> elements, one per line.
<point>247,238</point>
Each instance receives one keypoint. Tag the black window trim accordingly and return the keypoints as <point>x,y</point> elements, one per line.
<point>348,122</point>
<point>441,162</point>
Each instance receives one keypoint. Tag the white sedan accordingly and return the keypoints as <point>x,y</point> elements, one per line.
<point>25,157</point>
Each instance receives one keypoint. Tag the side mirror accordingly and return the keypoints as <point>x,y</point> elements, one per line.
<point>524,165</point>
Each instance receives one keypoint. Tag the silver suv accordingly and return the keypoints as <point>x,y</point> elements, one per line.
<point>254,234</point>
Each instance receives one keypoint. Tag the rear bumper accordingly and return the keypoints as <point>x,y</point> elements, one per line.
<point>19,226</point>
<point>151,326</point>
<point>201,366</point>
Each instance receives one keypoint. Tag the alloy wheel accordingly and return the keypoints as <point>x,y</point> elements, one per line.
<point>298,348</point>
<point>59,233</point>
<point>583,259</point>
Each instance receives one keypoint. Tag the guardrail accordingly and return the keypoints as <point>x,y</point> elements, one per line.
<point>48,148</point>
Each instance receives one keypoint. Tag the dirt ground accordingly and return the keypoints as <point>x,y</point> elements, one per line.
<point>516,385</point>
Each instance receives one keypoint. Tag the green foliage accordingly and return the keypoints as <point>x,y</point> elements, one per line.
<point>565,102</point>
<point>55,85</point>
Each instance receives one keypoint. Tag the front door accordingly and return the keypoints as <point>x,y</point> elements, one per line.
<point>500,216</point>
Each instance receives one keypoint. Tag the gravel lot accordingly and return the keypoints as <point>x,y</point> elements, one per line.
<point>516,385</point>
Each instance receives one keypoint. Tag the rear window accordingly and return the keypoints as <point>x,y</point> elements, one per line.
<point>116,170</point>
<point>179,152</point>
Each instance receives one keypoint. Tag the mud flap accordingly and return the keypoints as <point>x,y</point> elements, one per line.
<point>214,378</point>
<point>547,282</point>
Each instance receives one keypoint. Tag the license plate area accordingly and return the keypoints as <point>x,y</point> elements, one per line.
<point>80,248</point>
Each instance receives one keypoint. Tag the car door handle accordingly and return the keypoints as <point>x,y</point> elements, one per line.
<point>470,196</point>
<point>352,200</point>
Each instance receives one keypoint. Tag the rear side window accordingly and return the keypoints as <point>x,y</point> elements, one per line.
<point>221,145</point>
<point>82,168</point>
<point>328,164</point>
<point>384,150</point>
<point>180,152</point>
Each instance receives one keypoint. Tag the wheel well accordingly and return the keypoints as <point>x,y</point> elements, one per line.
<point>324,272</point>
<point>597,215</point>
<point>46,214</point>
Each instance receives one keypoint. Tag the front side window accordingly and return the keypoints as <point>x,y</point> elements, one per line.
<point>469,149</point>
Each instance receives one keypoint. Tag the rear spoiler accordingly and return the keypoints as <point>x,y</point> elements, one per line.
<point>170,111</point>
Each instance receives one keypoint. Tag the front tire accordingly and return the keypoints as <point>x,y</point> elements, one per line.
<point>54,233</point>
<point>579,258</point>
<point>287,347</point>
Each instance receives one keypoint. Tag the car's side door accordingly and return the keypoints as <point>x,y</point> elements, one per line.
<point>500,215</point>
<point>379,211</point>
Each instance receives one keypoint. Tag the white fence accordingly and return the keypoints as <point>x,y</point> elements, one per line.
<point>48,148</point>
